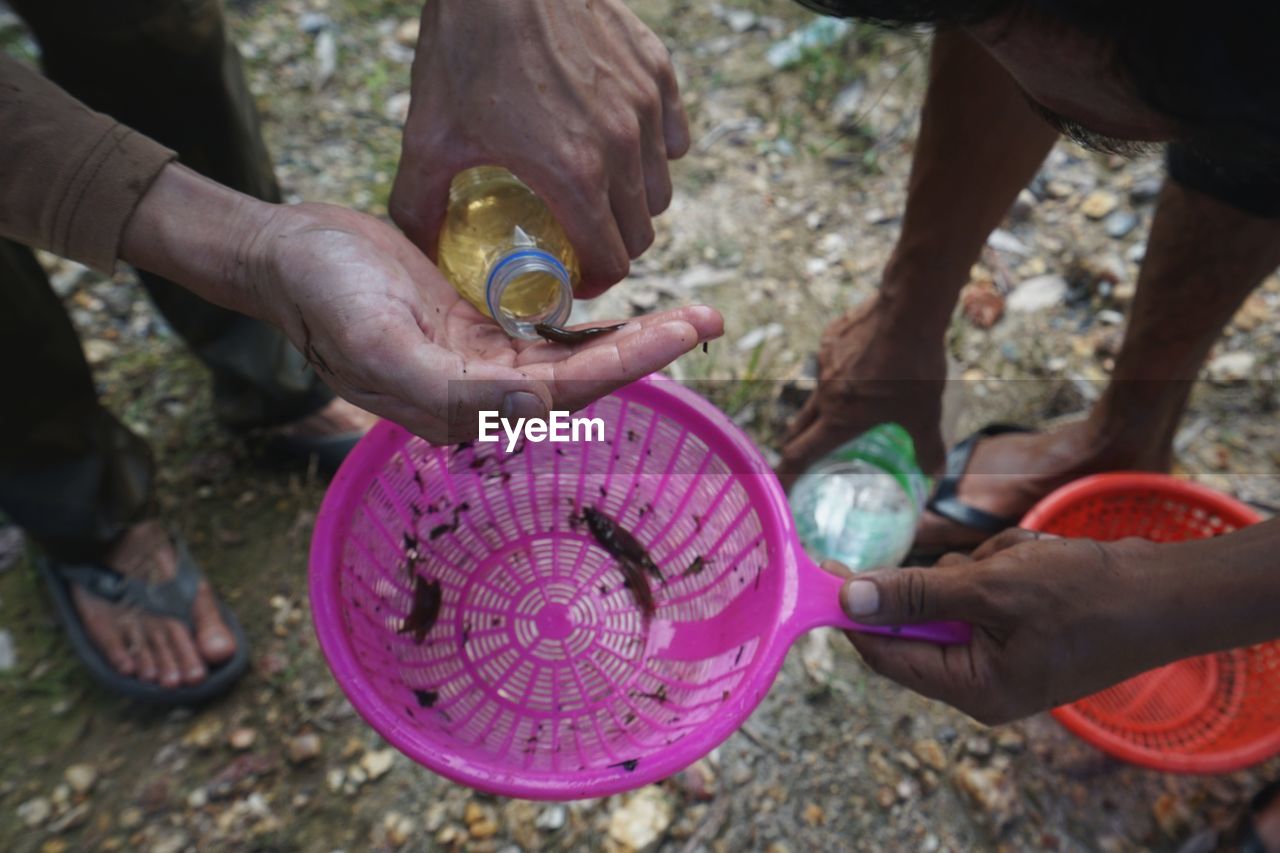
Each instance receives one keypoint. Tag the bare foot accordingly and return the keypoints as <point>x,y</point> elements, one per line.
<point>337,418</point>
<point>1008,474</point>
<point>152,648</point>
<point>867,376</point>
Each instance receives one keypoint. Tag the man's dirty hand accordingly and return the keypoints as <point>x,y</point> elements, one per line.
<point>1053,620</point>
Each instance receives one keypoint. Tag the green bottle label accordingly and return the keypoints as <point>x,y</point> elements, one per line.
<point>890,448</point>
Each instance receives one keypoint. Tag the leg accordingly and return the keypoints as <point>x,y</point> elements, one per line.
<point>168,70</point>
<point>979,144</point>
<point>80,482</point>
<point>70,473</point>
<point>1203,258</point>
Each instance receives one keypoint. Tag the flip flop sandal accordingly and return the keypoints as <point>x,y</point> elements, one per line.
<point>173,598</point>
<point>946,502</point>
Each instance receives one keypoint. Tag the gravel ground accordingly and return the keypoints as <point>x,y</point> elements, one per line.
<point>785,209</point>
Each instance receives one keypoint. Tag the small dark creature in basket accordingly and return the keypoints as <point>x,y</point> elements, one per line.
<point>618,541</point>
<point>633,559</point>
<point>425,611</point>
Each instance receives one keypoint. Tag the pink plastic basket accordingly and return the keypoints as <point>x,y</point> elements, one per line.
<point>541,677</point>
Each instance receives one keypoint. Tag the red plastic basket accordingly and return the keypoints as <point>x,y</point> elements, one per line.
<point>1209,714</point>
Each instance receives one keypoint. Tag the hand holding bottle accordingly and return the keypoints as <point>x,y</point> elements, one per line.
<point>579,100</point>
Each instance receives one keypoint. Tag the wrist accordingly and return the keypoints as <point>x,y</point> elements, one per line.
<point>203,236</point>
<point>919,290</point>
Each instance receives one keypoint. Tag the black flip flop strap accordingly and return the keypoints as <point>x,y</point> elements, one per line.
<point>172,598</point>
<point>946,500</point>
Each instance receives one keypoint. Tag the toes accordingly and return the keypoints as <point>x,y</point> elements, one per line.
<point>191,667</point>
<point>136,641</point>
<point>103,625</point>
<point>213,639</point>
<point>160,643</point>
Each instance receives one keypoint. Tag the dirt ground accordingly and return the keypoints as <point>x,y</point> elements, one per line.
<point>784,213</point>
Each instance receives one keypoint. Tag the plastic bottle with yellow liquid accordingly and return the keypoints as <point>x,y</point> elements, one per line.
<point>505,253</point>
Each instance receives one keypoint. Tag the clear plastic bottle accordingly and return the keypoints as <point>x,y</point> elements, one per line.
<point>505,253</point>
<point>860,504</point>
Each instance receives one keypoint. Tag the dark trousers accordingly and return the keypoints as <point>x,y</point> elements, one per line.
<point>70,473</point>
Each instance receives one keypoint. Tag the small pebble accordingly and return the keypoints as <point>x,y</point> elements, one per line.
<point>396,108</point>
<point>1098,204</point>
<point>242,738</point>
<point>1023,206</point>
<point>96,350</point>
<point>1120,223</point>
<point>8,651</point>
<point>642,819</point>
<point>204,734</point>
<point>990,789</point>
<point>81,777</point>
<point>436,814</point>
<point>35,811</point>
<point>931,753</point>
<point>885,797</point>
<point>398,828</point>
<point>313,22</point>
<point>1010,740</point>
<point>978,746</point>
<point>1037,294</point>
<point>170,843</point>
<point>377,762</point>
<point>303,748</point>
<point>1231,366</point>
<point>1145,190</point>
<point>551,818</point>
<point>407,32</point>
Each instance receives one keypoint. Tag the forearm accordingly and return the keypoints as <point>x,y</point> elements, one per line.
<point>69,177</point>
<point>979,144</point>
<point>1217,594</point>
<point>202,235</point>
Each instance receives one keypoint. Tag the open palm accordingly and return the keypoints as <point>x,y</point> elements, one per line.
<point>386,330</point>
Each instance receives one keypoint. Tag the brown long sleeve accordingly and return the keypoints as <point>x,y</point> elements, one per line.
<point>70,177</point>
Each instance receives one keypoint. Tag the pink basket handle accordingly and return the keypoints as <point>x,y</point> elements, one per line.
<point>818,606</point>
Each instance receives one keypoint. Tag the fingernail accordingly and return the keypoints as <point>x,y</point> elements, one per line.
<point>861,598</point>
<point>521,404</point>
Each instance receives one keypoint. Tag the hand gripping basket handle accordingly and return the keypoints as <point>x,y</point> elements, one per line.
<point>818,606</point>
